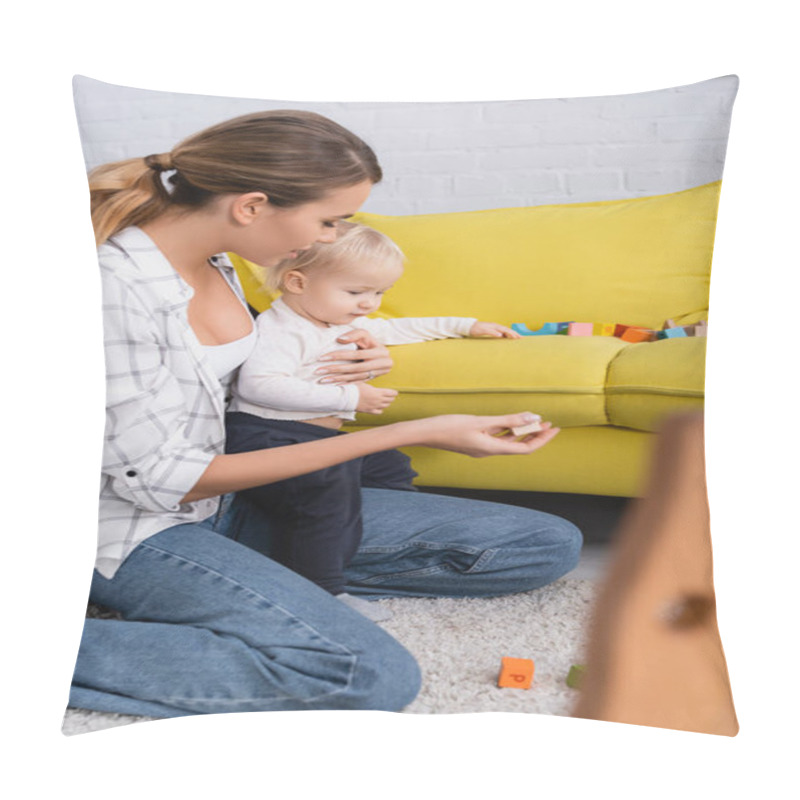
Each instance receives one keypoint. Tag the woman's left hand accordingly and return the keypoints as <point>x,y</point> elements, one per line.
<point>368,361</point>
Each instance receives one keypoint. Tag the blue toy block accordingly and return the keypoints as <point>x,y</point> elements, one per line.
<point>672,333</point>
<point>548,329</point>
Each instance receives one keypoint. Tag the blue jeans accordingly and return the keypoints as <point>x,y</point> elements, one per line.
<point>210,626</point>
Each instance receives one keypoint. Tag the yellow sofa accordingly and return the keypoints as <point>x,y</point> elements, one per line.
<point>635,262</point>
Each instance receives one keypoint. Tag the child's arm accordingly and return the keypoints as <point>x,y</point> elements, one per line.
<point>269,379</point>
<point>410,330</point>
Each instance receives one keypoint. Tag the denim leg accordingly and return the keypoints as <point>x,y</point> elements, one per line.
<point>210,626</point>
<point>419,545</point>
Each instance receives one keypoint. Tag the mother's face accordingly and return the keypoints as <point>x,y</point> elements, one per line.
<point>274,234</point>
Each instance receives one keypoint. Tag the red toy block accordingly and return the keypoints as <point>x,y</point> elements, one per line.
<point>580,329</point>
<point>516,673</point>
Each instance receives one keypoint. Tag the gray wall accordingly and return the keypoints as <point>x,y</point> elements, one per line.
<point>464,156</point>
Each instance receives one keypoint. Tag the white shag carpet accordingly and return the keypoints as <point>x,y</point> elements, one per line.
<point>459,644</point>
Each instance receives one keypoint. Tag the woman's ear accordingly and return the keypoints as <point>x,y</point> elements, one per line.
<point>294,282</point>
<point>246,208</point>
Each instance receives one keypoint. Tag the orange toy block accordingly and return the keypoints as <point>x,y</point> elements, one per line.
<point>635,334</point>
<point>516,673</point>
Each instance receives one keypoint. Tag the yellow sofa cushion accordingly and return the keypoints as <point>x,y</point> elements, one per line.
<point>647,381</point>
<point>560,377</point>
<point>637,262</point>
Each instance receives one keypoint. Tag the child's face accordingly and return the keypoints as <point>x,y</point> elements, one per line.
<point>337,297</point>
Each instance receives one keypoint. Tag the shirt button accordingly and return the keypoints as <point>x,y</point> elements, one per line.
<point>131,473</point>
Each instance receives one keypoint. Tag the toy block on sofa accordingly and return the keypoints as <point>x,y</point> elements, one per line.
<point>672,333</point>
<point>580,329</point>
<point>701,328</point>
<point>548,329</point>
<point>516,673</point>
<point>562,328</point>
<point>604,328</point>
<point>634,334</point>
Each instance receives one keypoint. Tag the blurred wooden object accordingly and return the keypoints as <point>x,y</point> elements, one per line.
<point>655,656</point>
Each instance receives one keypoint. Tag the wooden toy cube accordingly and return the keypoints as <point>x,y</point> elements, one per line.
<point>604,328</point>
<point>548,329</point>
<point>635,334</point>
<point>575,676</point>
<point>531,427</point>
<point>516,673</point>
<point>580,329</point>
<point>673,333</point>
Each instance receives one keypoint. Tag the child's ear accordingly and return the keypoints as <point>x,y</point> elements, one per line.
<point>294,282</point>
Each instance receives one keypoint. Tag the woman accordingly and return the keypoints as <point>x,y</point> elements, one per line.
<point>208,624</point>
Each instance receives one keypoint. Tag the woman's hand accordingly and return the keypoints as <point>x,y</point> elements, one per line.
<point>494,330</point>
<point>368,361</point>
<point>481,436</point>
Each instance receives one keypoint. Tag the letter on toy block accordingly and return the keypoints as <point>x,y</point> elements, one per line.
<point>516,673</point>
<point>580,329</point>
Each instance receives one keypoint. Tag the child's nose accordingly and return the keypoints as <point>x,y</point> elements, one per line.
<point>328,236</point>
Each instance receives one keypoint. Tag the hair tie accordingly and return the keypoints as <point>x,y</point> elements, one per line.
<point>159,163</point>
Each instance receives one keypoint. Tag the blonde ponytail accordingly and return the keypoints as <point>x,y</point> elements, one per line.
<point>294,157</point>
<point>125,193</point>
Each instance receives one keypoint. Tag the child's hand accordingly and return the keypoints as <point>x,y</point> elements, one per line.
<point>372,400</point>
<point>494,330</point>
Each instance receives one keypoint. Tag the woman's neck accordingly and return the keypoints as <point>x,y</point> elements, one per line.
<point>187,241</point>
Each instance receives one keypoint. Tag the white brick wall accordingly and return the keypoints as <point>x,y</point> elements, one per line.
<point>468,155</point>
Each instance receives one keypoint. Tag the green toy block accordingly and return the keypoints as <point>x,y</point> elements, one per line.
<point>575,676</point>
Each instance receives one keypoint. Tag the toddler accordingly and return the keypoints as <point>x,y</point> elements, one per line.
<point>278,398</point>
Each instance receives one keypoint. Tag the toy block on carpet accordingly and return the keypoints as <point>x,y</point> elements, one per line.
<point>575,676</point>
<point>516,673</point>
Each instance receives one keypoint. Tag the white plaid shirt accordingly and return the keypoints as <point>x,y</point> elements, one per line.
<point>164,405</point>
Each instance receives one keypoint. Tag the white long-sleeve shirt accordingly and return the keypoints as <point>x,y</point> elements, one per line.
<point>279,379</point>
